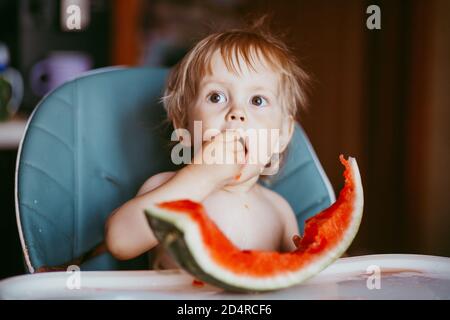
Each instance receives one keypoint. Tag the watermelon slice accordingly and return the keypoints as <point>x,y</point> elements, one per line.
<point>199,247</point>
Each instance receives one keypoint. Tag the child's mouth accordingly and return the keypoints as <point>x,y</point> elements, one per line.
<point>243,142</point>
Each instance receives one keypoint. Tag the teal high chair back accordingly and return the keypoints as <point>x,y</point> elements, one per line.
<point>88,147</point>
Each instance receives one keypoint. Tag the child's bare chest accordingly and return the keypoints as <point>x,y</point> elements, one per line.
<point>250,223</point>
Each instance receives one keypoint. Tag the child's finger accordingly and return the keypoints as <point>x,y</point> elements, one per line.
<point>235,152</point>
<point>232,135</point>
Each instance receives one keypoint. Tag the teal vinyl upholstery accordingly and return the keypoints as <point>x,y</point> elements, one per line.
<point>88,147</point>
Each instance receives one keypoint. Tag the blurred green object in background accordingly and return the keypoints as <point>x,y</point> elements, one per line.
<point>5,97</point>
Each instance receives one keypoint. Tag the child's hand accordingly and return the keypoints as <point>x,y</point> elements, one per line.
<point>221,159</point>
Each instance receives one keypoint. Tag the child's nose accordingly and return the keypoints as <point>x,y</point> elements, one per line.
<point>236,115</point>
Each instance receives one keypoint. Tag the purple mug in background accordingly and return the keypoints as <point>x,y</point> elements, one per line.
<point>57,68</point>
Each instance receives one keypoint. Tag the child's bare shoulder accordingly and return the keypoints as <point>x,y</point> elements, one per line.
<point>155,181</point>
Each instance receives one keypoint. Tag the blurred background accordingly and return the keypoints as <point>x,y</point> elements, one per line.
<point>382,96</point>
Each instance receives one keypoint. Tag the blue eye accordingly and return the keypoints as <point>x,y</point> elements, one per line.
<point>259,101</point>
<point>216,97</point>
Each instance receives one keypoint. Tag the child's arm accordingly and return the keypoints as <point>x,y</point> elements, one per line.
<point>127,232</point>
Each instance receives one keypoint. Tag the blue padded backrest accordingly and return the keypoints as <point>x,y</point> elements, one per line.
<point>89,146</point>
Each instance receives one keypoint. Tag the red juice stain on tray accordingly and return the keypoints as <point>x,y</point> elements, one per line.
<point>197,283</point>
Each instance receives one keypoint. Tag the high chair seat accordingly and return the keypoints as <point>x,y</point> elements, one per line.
<point>88,147</point>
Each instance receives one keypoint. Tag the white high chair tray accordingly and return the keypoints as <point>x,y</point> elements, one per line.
<point>401,277</point>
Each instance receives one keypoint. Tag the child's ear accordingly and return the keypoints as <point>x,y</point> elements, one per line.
<point>286,132</point>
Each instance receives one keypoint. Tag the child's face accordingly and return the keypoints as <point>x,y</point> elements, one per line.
<point>241,101</point>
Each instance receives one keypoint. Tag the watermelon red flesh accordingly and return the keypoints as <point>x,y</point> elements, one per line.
<point>326,236</point>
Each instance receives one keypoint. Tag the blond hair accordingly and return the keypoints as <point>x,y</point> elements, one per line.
<point>184,78</point>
